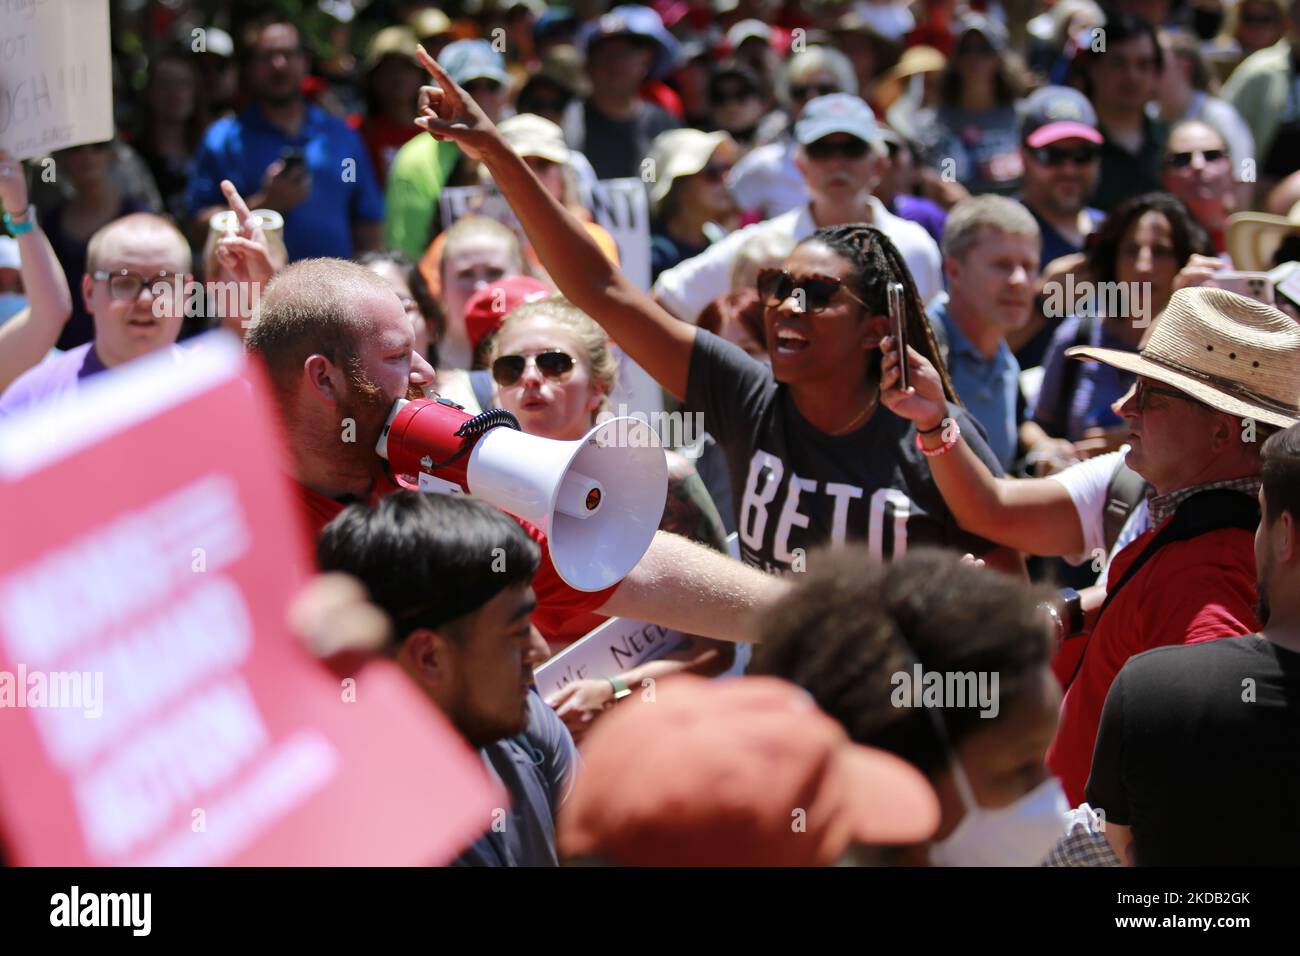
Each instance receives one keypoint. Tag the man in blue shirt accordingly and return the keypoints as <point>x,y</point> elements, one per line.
<point>990,259</point>
<point>286,154</point>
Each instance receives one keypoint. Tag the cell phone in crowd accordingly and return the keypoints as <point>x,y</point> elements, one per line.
<point>1253,285</point>
<point>294,159</point>
<point>898,329</point>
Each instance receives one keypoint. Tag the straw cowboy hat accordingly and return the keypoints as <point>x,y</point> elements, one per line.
<point>1253,237</point>
<point>1229,352</point>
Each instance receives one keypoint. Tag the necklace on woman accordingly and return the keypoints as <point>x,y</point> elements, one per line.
<point>859,418</point>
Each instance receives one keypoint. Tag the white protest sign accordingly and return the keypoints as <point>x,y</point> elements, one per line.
<point>56,84</point>
<point>621,207</point>
<point>619,645</point>
<point>614,647</point>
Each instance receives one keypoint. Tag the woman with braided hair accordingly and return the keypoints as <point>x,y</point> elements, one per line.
<point>813,457</point>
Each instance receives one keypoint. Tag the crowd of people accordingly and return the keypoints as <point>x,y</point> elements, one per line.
<point>991,313</point>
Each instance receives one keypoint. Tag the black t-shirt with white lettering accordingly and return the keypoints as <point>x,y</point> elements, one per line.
<point>796,488</point>
<point>1199,752</point>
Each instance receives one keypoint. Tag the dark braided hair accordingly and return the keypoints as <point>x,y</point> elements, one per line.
<point>852,623</point>
<point>877,262</point>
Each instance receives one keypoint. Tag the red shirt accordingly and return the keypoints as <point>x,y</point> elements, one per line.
<point>1190,591</point>
<point>557,602</point>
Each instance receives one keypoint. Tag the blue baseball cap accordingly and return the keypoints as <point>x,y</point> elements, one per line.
<point>639,22</point>
<point>838,113</point>
<point>469,60</point>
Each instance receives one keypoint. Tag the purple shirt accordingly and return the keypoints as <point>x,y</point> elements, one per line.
<point>924,211</point>
<point>55,376</point>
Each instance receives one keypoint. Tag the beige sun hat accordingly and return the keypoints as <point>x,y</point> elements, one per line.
<point>682,152</point>
<point>1253,237</point>
<point>533,135</point>
<point>1232,353</point>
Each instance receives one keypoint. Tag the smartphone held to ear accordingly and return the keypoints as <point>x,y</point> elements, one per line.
<point>898,330</point>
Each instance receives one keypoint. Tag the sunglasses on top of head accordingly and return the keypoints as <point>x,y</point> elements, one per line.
<point>509,369</point>
<point>812,293</point>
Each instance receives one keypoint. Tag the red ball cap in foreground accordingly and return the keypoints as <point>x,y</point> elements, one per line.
<point>738,772</point>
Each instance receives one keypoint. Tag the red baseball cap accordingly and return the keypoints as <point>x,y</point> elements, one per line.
<point>736,772</point>
<point>488,307</point>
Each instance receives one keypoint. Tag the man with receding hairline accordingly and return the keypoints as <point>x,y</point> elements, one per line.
<point>127,262</point>
<point>340,351</point>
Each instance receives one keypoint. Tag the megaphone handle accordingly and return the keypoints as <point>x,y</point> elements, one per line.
<point>474,428</point>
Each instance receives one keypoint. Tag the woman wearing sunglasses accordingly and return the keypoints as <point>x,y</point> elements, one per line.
<point>812,456</point>
<point>554,371</point>
<point>690,203</point>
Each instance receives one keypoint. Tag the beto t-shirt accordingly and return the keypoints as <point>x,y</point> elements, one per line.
<point>795,488</point>
<point>1197,753</point>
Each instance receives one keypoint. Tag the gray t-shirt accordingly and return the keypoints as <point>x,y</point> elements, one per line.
<point>537,769</point>
<point>795,488</point>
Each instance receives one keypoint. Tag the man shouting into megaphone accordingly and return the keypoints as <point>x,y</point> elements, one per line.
<point>340,352</point>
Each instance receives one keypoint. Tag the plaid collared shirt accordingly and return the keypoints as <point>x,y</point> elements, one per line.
<point>1160,507</point>
<point>1084,842</point>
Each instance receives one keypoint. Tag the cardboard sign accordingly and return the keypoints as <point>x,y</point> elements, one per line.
<point>56,84</point>
<point>621,644</point>
<point>154,709</point>
<point>616,646</point>
<point>622,207</point>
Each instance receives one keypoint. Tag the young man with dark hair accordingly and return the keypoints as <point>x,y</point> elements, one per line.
<point>1195,762</point>
<point>1121,81</point>
<point>454,575</point>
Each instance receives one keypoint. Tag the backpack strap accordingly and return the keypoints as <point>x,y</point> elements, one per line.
<point>1127,489</point>
<point>1070,375</point>
<point>1203,512</point>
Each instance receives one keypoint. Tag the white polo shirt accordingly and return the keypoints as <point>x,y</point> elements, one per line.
<point>688,287</point>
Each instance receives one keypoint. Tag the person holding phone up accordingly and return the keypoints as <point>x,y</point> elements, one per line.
<point>813,457</point>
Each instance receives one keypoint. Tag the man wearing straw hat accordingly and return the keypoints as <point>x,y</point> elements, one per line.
<point>1219,374</point>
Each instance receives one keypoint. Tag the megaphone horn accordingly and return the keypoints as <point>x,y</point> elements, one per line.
<point>598,500</point>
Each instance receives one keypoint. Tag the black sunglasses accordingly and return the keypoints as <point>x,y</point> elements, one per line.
<point>1183,160</point>
<point>812,90</point>
<point>811,293</point>
<point>1081,156</point>
<point>853,148</point>
<point>481,87</point>
<point>509,369</point>
<point>736,94</point>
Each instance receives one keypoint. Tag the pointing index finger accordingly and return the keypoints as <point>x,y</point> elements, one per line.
<point>449,88</point>
<point>236,202</point>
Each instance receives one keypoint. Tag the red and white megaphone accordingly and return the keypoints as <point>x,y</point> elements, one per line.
<point>598,500</point>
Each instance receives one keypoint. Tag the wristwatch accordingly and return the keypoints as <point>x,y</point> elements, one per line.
<point>1055,615</point>
<point>621,689</point>
<point>1073,611</point>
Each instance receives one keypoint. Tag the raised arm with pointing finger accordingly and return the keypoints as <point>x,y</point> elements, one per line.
<point>658,342</point>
